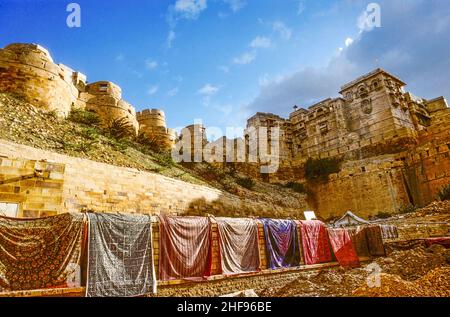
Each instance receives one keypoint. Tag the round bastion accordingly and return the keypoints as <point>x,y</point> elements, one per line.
<point>152,123</point>
<point>27,71</point>
<point>105,99</point>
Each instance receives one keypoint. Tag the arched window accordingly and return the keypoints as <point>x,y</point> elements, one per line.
<point>362,92</point>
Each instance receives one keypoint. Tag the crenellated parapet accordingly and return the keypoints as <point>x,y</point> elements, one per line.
<point>105,99</point>
<point>152,123</point>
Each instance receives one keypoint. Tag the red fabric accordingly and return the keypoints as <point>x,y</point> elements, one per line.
<point>316,246</point>
<point>343,247</point>
<point>444,241</point>
<point>185,248</point>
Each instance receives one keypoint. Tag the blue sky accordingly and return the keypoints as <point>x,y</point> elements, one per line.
<point>224,60</point>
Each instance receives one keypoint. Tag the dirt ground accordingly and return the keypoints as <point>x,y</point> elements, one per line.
<point>418,271</point>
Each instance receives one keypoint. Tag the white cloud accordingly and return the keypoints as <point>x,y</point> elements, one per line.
<point>150,65</point>
<point>301,7</point>
<point>190,9</point>
<point>208,90</point>
<point>173,92</point>
<point>152,90</point>
<point>120,57</point>
<point>245,58</point>
<point>261,42</point>
<point>170,38</point>
<point>282,30</point>
<point>348,41</point>
<point>225,109</point>
<point>224,69</point>
<point>236,5</point>
<point>423,70</point>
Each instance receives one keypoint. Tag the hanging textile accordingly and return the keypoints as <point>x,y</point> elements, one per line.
<point>120,255</point>
<point>444,241</point>
<point>359,239</point>
<point>281,237</point>
<point>389,232</point>
<point>315,242</point>
<point>239,248</point>
<point>343,248</point>
<point>375,241</point>
<point>185,247</point>
<point>40,253</point>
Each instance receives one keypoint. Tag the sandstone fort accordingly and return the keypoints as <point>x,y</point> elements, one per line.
<point>392,147</point>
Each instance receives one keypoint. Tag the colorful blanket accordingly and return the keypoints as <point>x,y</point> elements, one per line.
<point>375,241</point>
<point>343,247</point>
<point>239,248</point>
<point>359,239</point>
<point>389,232</point>
<point>120,256</point>
<point>185,248</point>
<point>315,242</point>
<point>40,253</point>
<point>281,237</point>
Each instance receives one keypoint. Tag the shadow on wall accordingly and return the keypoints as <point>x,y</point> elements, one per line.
<point>240,208</point>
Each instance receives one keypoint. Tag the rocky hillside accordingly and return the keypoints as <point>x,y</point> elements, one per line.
<point>22,123</point>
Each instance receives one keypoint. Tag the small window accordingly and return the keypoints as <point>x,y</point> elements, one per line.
<point>363,169</point>
<point>103,87</point>
<point>9,209</point>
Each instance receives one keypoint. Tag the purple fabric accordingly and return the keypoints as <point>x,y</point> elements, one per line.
<point>282,246</point>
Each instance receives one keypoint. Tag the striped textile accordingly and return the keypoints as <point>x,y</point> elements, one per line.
<point>120,260</point>
<point>375,241</point>
<point>359,239</point>
<point>343,247</point>
<point>389,232</point>
<point>315,242</point>
<point>281,237</point>
<point>185,248</point>
<point>239,247</point>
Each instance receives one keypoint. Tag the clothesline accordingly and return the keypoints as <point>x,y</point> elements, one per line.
<point>119,248</point>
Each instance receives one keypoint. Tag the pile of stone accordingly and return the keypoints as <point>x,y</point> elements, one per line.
<point>436,283</point>
<point>414,263</point>
<point>419,271</point>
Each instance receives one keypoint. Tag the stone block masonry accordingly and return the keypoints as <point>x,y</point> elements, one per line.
<point>36,197</point>
<point>85,184</point>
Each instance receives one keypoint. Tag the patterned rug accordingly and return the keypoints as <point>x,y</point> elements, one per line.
<point>40,253</point>
<point>375,241</point>
<point>359,239</point>
<point>315,242</point>
<point>185,248</point>
<point>343,247</point>
<point>282,246</point>
<point>120,256</point>
<point>239,248</point>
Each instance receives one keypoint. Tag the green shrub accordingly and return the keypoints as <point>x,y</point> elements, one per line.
<point>120,145</point>
<point>119,129</point>
<point>90,133</point>
<point>383,215</point>
<point>407,209</point>
<point>164,159</point>
<point>246,182</point>
<point>297,187</point>
<point>84,117</point>
<point>444,194</point>
<point>319,169</point>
